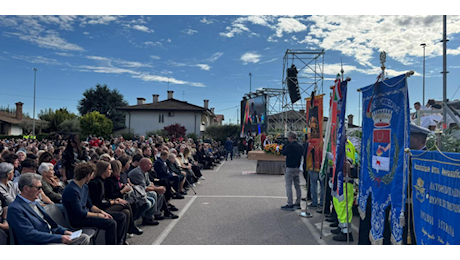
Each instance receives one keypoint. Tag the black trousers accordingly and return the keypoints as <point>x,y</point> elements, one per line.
<point>197,171</point>
<point>365,226</point>
<point>328,200</point>
<point>3,237</point>
<point>115,232</point>
<point>128,211</point>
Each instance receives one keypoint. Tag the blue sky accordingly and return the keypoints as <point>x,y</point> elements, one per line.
<point>210,57</point>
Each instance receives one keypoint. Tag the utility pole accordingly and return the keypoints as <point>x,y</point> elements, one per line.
<point>250,83</point>
<point>237,117</point>
<point>423,45</point>
<point>35,78</point>
<point>444,72</point>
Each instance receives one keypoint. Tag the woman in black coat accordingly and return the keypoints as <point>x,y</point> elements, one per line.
<point>73,154</point>
<point>98,198</point>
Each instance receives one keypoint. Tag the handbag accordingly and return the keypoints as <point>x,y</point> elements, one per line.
<point>138,196</point>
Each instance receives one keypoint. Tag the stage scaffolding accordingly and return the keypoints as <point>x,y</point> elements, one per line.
<point>282,115</point>
<point>310,67</point>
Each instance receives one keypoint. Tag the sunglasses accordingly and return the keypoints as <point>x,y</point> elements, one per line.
<point>38,187</point>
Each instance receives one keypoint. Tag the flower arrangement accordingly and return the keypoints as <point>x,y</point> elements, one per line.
<point>273,149</point>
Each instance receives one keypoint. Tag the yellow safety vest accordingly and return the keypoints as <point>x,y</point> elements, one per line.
<point>350,150</point>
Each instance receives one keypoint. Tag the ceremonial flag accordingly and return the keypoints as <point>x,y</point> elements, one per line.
<point>315,126</point>
<point>337,180</point>
<point>333,118</point>
<point>327,141</point>
<point>384,168</point>
<point>436,197</point>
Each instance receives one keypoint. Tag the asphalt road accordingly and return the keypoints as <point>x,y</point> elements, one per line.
<point>235,206</point>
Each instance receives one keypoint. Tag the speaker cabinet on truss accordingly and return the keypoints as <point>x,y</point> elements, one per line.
<point>293,84</point>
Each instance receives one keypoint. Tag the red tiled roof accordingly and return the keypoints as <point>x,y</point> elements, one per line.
<point>168,104</point>
<point>11,118</point>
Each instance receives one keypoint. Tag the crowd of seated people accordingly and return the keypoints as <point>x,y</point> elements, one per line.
<point>114,185</point>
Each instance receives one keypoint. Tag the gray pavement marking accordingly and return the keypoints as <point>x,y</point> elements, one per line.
<point>240,196</point>
<point>218,168</point>
<point>312,230</point>
<point>171,225</point>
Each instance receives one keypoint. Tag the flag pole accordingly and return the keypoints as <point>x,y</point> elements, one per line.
<point>325,161</point>
<point>444,76</point>
<point>383,59</point>
<point>346,201</point>
<point>341,67</point>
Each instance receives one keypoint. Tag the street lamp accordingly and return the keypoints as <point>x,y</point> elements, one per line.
<point>423,45</point>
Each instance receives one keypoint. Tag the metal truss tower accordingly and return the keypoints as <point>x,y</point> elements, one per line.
<point>282,115</point>
<point>310,77</point>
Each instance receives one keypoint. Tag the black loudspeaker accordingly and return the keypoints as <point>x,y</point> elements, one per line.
<point>293,84</point>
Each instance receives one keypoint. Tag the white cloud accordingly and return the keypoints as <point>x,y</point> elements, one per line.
<point>154,57</point>
<point>206,21</point>
<point>98,19</point>
<point>37,59</point>
<point>153,44</point>
<point>280,25</point>
<point>237,28</point>
<point>190,31</point>
<point>39,30</point>
<point>65,22</point>
<point>110,69</point>
<point>289,25</point>
<point>142,28</point>
<point>400,37</point>
<point>180,64</point>
<point>148,77</point>
<point>268,61</point>
<point>49,41</point>
<point>120,62</point>
<point>334,69</point>
<point>29,28</point>
<point>65,54</point>
<point>203,66</point>
<point>215,56</point>
<point>361,37</point>
<point>250,57</point>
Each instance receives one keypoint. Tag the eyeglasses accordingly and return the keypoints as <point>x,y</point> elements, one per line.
<point>38,187</point>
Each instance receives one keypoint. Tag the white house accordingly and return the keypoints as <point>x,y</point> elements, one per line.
<point>145,117</point>
<point>13,123</point>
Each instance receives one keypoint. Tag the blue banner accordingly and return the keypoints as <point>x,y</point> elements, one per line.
<point>337,188</point>
<point>436,197</point>
<point>383,175</point>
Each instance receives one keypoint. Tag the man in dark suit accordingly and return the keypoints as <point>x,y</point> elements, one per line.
<point>228,148</point>
<point>29,221</point>
<point>163,172</point>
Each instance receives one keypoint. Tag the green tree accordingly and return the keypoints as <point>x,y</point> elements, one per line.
<point>55,118</point>
<point>95,123</point>
<point>70,126</point>
<point>105,101</point>
<point>221,132</point>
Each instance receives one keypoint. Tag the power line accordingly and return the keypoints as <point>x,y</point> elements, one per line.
<point>452,98</point>
<point>6,94</point>
<point>227,108</point>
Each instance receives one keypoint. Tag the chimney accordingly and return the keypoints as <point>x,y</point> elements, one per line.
<point>206,103</point>
<point>350,119</point>
<point>19,110</point>
<point>140,101</point>
<point>170,94</point>
<point>212,110</point>
<point>155,98</point>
